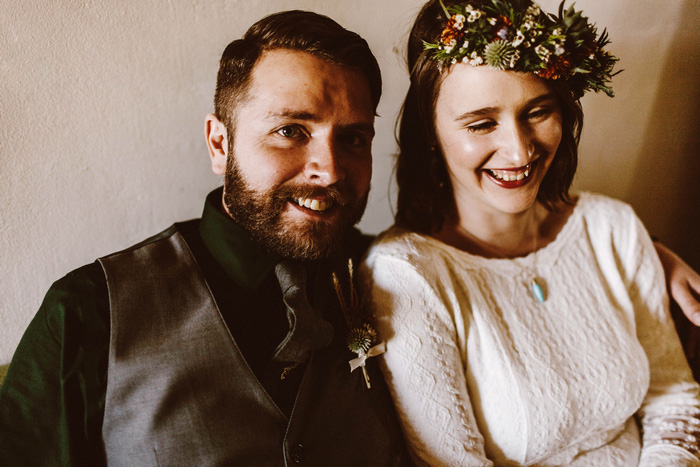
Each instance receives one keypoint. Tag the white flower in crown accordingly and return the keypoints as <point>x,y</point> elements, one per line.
<point>543,52</point>
<point>476,60</point>
<point>519,38</point>
<point>514,59</point>
<point>492,21</point>
<point>533,10</point>
<point>459,21</point>
<point>559,46</point>
<point>473,16</point>
<point>450,45</point>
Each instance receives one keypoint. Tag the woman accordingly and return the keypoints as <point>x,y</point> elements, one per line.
<point>523,325</point>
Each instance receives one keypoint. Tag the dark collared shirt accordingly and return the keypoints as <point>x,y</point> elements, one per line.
<point>52,400</point>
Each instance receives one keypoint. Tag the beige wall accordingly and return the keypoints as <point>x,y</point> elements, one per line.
<point>102,106</point>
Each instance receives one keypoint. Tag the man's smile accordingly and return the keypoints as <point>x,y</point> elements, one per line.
<point>313,204</point>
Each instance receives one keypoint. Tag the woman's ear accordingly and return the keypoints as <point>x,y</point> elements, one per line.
<point>217,143</point>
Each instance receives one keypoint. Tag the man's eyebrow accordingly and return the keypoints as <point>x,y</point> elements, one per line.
<point>363,127</point>
<point>489,110</point>
<point>293,114</point>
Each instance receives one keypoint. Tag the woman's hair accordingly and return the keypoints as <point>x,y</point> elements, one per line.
<point>426,198</point>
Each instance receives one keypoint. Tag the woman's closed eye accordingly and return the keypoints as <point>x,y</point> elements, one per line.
<point>481,126</point>
<point>540,113</point>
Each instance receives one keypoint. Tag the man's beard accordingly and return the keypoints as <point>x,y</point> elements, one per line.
<point>261,214</point>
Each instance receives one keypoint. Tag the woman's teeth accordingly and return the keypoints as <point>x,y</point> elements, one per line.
<point>313,204</point>
<point>510,175</point>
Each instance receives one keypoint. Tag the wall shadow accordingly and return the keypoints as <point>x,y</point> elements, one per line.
<point>666,193</point>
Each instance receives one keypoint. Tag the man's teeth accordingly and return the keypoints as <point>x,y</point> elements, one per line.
<point>508,176</point>
<point>313,204</point>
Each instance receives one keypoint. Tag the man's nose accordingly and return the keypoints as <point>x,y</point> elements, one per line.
<point>323,166</point>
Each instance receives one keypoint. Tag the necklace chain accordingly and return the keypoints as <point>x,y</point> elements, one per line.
<point>535,283</point>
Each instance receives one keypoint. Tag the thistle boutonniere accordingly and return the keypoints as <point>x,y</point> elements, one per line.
<point>362,338</point>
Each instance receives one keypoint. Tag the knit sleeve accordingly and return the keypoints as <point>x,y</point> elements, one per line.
<point>670,413</point>
<point>422,364</point>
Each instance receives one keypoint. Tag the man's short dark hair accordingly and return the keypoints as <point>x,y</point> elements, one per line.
<point>294,30</point>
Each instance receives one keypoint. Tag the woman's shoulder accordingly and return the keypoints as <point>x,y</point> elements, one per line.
<point>603,209</point>
<point>610,222</point>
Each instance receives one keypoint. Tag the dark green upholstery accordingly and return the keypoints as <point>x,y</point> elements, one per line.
<point>3,371</point>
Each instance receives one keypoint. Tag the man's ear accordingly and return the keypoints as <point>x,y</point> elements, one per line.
<point>217,143</point>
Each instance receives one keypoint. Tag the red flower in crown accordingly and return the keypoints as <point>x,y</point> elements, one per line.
<point>451,35</point>
<point>557,67</point>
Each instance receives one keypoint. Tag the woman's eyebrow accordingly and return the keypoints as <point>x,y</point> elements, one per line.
<point>544,97</point>
<point>476,113</point>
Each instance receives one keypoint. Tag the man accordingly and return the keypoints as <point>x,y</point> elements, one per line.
<point>221,341</point>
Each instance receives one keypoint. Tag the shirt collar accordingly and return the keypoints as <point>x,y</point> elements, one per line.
<point>245,262</point>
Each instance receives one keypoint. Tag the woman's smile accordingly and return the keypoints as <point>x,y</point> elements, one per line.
<point>510,178</point>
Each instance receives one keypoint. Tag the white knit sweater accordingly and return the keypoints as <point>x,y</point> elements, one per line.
<point>483,373</point>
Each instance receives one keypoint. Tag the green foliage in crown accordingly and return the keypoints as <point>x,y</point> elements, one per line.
<point>517,35</point>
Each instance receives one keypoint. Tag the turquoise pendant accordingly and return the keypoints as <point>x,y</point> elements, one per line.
<point>537,291</point>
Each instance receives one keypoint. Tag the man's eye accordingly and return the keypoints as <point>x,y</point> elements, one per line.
<point>353,140</point>
<point>290,131</point>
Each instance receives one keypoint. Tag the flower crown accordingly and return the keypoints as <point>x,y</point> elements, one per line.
<point>517,35</point>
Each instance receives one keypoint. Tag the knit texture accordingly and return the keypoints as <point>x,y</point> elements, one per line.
<point>482,373</point>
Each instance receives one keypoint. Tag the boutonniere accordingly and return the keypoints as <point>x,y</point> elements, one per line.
<point>362,338</point>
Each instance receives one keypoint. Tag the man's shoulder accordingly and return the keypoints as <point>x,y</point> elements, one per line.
<point>357,243</point>
<point>85,281</point>
<point>186,229</point>
<point>86,287</point>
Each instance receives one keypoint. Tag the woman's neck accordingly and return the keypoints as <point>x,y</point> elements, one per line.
<point>504,235</point>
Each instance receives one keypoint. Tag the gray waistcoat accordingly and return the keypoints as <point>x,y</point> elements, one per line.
<point>180,392</point>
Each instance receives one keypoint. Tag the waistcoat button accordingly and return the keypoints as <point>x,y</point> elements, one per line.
<point>298,453</point>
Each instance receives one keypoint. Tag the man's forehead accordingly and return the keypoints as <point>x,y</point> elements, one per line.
<point>294,68</point>
<point>295,84</point>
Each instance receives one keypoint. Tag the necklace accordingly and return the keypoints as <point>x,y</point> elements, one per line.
<point>536,284</point>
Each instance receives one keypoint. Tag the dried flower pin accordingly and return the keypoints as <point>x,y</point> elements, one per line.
<point>362,337</point>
